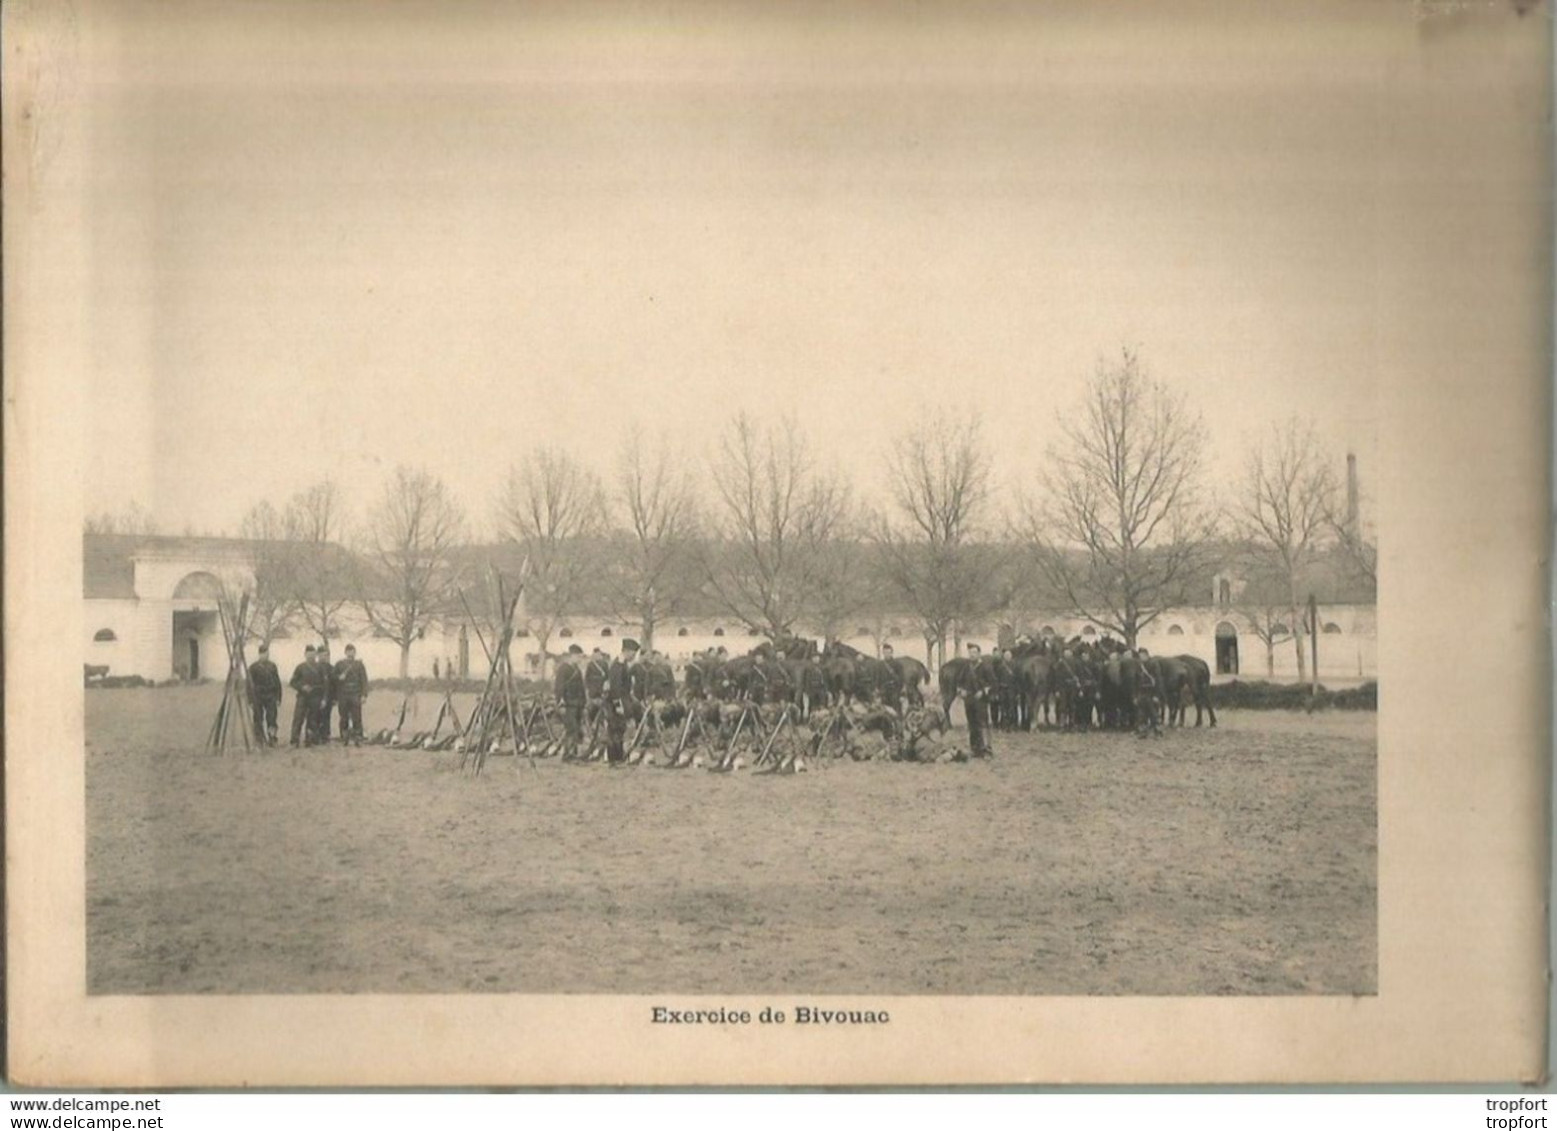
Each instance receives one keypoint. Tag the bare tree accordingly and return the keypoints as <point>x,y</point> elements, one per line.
<point>940,482</point>
<point>1282,511</point>
<point>315,521</point>
<point>834,562</point>
<point>770,510</point>
<point>553,508</point>
<point>134,519</point>
<point>1124,530</point>
<point>652,567</point>
<point>411,577</point>
<point>1262,598</point>
<point>272,608</point>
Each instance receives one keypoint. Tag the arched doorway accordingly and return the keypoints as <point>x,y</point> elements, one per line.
<point>1226,649</point>
<point>195,627</point>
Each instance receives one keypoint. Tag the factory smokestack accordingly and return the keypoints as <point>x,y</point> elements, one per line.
<point>1351,495</point>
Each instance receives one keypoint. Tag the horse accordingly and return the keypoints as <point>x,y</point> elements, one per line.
<point>913,676</point>
<point>1199,679</point>
<point>854,675</point>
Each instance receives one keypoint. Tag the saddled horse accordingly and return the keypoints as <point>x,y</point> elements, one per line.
<point>852,676</point>
<point>913,677</point>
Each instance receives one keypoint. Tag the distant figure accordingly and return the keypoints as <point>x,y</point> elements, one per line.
<point>308,683</point>
<point>435,667</point>
<point>264,696</point>
<point>327,702</point>
<point>351,691</point>
<point>571,693</point>
<point>975,702</point>
<point>619,704</point>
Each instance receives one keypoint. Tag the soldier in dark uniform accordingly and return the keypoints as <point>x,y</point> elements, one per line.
<point>571,692</point>
<point>308,685</point>
<point>619,702</point>
<point>350,684</point>
<point>890,679</point>
<point>264,696</point>
<point>1005,688</point>
<point>694,678</point>
<point>662,678</point>
<point>975,701</point>
<point>327,700</point>
<point>758,681</point>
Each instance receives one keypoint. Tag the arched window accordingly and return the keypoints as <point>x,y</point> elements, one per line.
<point>606,631</point>
<point>1175,630</point>
<point>521,632</point>
<point>682,631</point>
<point>1089,631</point>
<point>1332,629</point>
<point>565,633</point>
<point>104,635</point>
<point>719,631</point>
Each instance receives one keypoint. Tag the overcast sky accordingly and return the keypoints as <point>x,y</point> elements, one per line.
<point>324,247</point>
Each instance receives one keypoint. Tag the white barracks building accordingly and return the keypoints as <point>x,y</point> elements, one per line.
<point>151,611</point>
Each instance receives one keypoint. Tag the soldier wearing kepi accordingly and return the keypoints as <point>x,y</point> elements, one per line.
<point>308,684</point>
<point>597,673</point>
<point>264,696</point>
<point>619,702</point>
<point>327,693</point>
<point>572,694</point>
<point>351,691</point>
<point>975,702</point>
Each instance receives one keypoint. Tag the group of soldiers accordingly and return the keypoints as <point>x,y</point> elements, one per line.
<point>1102,683</point>
<point>321,689</point>
<point>761,693</point>
<point>600,691</point>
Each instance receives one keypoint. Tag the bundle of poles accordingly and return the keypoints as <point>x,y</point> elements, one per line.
<point>233,716</point>
<point>494,722</point>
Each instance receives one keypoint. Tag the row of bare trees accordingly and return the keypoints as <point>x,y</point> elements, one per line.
<point>1121,527</point>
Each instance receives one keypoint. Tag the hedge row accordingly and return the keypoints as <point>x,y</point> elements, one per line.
<point>1258,695</point>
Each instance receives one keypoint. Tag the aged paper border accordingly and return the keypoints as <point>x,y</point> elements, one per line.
<point>1464,312</point>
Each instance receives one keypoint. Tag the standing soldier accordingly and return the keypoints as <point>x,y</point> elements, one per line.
<point>1005,677</point>
<point>310,690</point>
<point>758,680</point>
<point>264,696</point>
<point>351,691</point>
<point>571,692</point>
<point>619,702</point>
<point>694,678</point>
<point>975,701</point>
<point>327,693</point>
<point>891,679</point>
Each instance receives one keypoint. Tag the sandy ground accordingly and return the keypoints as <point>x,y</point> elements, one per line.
<point>1235,861</point>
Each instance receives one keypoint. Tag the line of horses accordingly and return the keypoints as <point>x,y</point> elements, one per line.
<point>1074,685</point>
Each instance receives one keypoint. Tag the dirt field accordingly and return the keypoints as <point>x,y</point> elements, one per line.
<point>1234,861</point>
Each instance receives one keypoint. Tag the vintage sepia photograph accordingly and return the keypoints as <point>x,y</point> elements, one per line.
<point>807,505</point>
